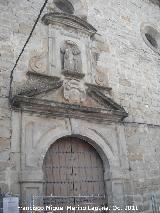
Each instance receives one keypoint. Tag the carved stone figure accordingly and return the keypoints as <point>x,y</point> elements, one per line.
<point>71,57</point>
<point>68,59</point>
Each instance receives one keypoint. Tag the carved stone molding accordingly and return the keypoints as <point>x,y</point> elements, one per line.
<point>69,20</point>
<point>36,84</point>
<point>51,108</point>
<point>104,100</point>
<point>72,74</point>
<point>74,93</point>
<point>99,87</point>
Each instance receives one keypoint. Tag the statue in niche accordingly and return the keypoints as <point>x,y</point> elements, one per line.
<point>71,58</point>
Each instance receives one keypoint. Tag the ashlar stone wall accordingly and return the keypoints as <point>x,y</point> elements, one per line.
<point>131,68</point>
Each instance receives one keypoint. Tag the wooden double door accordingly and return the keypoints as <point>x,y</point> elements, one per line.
<point>73,174</point>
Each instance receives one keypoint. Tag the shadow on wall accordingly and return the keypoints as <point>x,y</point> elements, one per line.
<point>155,2</point>
<point>73,7</point>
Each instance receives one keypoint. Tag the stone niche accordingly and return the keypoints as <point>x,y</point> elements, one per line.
<point>70,46</point>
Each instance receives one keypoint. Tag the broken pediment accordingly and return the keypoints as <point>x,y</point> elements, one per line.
<point>36,83</point>
<point>67,99</point>
<point>64,81</point>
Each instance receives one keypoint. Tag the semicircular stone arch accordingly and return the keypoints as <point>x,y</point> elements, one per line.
<point>73,168</point>
<point>109,160</point>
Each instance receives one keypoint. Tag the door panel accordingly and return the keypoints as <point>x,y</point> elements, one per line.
<point>74,170</point>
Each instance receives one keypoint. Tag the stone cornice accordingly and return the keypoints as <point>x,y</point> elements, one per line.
<point>52,108</point>
<point>37,83</point>
<point>98,87</point>
<point>69,20</point>
<point>26,100</point>
<point>104,100</point>
<point>77,75</point>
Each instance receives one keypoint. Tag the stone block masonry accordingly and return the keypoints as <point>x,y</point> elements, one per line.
<point>132,70</point>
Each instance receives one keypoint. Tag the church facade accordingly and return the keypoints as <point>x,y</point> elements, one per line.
<point>81,117</point>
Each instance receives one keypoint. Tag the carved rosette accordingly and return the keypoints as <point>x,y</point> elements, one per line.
<point>74,92</point>
<point>38,64</point>
<point>100,78</point>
